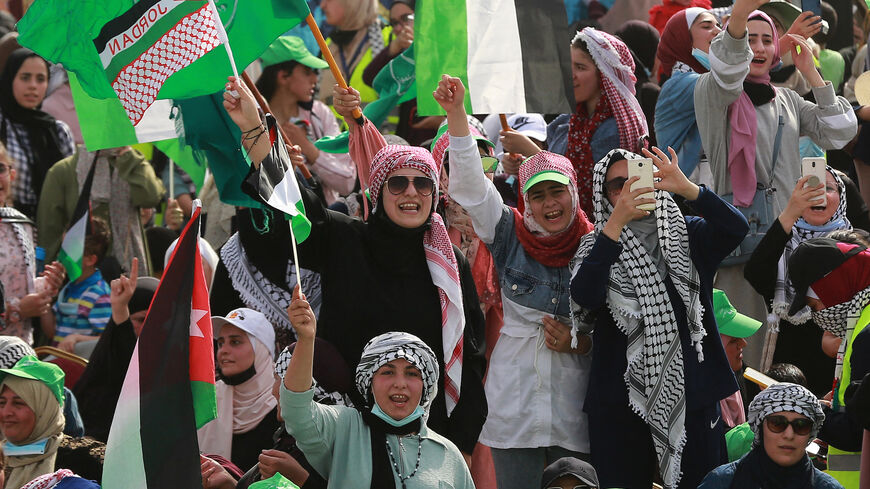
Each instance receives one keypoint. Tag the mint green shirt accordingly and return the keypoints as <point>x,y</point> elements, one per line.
<point>336,441</point>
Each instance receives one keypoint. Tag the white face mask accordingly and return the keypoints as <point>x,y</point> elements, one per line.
<point>702,57</point>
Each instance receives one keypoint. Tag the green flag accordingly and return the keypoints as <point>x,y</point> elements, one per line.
<point>153,48</point>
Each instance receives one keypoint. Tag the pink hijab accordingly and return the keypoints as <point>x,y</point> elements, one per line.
<point>743,125</point>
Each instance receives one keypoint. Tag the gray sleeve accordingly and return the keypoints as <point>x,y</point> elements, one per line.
<point>830,122</point>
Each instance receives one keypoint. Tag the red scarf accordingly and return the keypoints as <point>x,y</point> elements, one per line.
<point>579,150</point>
<point>556,250</point>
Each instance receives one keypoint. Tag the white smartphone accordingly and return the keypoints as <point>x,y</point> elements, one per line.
<point>643,168</point>
<point>815,168</point>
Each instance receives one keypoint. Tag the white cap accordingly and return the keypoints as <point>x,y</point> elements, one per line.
<point>531,125</point>
<point>250,321</point>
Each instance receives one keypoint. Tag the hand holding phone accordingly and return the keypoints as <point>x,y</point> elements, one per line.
<point>815,168</point>
<point>643,169</point>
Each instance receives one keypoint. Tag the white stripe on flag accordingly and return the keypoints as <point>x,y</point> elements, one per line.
<point>495,57</point>
<point>286,194</point>
<point>124,466</point>
<point>74,242</point>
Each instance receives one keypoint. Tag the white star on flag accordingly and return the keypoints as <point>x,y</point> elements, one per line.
<point>195,316</point>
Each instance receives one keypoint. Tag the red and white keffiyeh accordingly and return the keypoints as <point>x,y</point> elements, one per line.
<point>440,258</point>
<point>48,481</point>
<point>616,67</point>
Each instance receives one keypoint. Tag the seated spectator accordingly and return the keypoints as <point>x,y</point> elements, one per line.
<point>387,439</point>
<point>785,418</point>
<point>31,395</point>
<point>82,308</point>
<point>569,473</point>
<point>246,409</point>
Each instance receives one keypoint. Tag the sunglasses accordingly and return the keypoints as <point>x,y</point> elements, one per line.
<point>615,184</point>
<point>490,163</point>
<point>398,183</point>
<point>778,423</point>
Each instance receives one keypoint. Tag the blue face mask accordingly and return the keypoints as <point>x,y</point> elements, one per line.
<point>377,411</point>
<point>35,448</point>
<point>702,57</point>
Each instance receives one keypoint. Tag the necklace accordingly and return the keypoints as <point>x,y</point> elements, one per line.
<point>403,478</point>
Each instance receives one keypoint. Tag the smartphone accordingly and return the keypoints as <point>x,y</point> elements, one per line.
<point>815,6</point>
<point>643,168</point>
<point>763,381</point>
<point>816,169</point>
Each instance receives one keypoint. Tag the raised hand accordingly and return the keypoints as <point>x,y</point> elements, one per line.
<point>671,178</point>
<point>626,208</point>
<point>345,101</point>
<point>121,291</point>
<point>806,25</point>
<point>450,94</point>
<point>242,109</point>
<point>301,316</point>
<point>802,55</point>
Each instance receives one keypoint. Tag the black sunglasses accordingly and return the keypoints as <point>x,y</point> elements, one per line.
<point>398,183</point>
<point>615,184</point>
<point>778,423</point>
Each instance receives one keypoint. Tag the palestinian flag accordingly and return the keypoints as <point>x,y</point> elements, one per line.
<point>72,249</point>
<point>280,190</point>
<point>169,391</point>
<point>146,49</point>
<point>512,55</point>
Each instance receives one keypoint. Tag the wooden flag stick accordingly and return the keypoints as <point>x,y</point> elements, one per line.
<point>265,106</point>
<point>504,124</point>
<point>333,66</point>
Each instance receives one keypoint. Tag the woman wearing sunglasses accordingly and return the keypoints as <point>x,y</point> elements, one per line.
<point>538,373</point>
<point>785,419</point>
<point>397,271</point>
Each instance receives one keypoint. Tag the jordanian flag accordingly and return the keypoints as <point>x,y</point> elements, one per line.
<point>163,49</point>
<point>72,249</point>
<point>512,55</point>
<point>169,391</point>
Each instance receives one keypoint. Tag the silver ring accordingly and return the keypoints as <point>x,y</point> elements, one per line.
<point>338,101</point>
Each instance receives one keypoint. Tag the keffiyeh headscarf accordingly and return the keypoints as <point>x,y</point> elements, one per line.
<point>552,250</point>
<point>616,67</point>
<point>639,303</point>
<point>441,261</point>
<point>12,349</point>
<point>387,347</point>
<point>784,397</point>
<point>784,290</point>
<point>617,82</point>
<point>321,394</point>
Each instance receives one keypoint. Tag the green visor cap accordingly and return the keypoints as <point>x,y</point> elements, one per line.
<point>30,367</point>
<point>544,176</point>
<point>729,321</point>
<point>291,48</point>
<point>443,129</point>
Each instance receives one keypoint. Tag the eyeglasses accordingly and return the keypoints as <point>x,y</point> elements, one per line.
<point>398,183</point>
<point>615,184</point>
<point>778,423</point>
<point>405,19</point>
<point>4,168</point>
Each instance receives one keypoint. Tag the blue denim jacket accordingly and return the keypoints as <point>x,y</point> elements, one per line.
<point>523,279</point>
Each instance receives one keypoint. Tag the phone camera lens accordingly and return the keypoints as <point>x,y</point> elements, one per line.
<point>640,165</point>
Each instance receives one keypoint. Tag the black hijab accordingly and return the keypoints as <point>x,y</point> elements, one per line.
<point>45,146</point>
<point>757,470</point>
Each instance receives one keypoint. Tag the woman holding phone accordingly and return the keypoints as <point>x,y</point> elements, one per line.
<point>643,282</point>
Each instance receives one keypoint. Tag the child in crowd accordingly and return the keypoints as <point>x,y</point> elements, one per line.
<point>83,307</point>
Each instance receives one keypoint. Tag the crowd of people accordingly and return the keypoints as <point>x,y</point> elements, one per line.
<point>477,304</point>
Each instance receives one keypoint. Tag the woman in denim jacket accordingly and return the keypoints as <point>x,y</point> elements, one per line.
<point>537,376</point>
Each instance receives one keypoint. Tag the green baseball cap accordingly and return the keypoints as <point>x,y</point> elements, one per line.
<point>30,367</point>
<point>729,321</point>
<point>738,441</point>
<point>291,48</point>
<point>545,176</point>
<point>477,137</point>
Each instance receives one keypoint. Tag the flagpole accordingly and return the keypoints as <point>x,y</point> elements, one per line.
<point>333,66</point>
<point>295,258</point>
<point>265,106</point>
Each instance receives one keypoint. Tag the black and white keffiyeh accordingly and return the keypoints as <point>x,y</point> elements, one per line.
<point>639,303</point>
<point>321,395</point>
<point>12,349</point>
<point>260,294</point>
<point>784,397</point>
<point>390,346</point>
<point>840,321</point>
<point>783,295</point>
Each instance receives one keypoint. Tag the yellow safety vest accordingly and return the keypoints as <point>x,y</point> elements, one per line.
<point>842,465</point>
